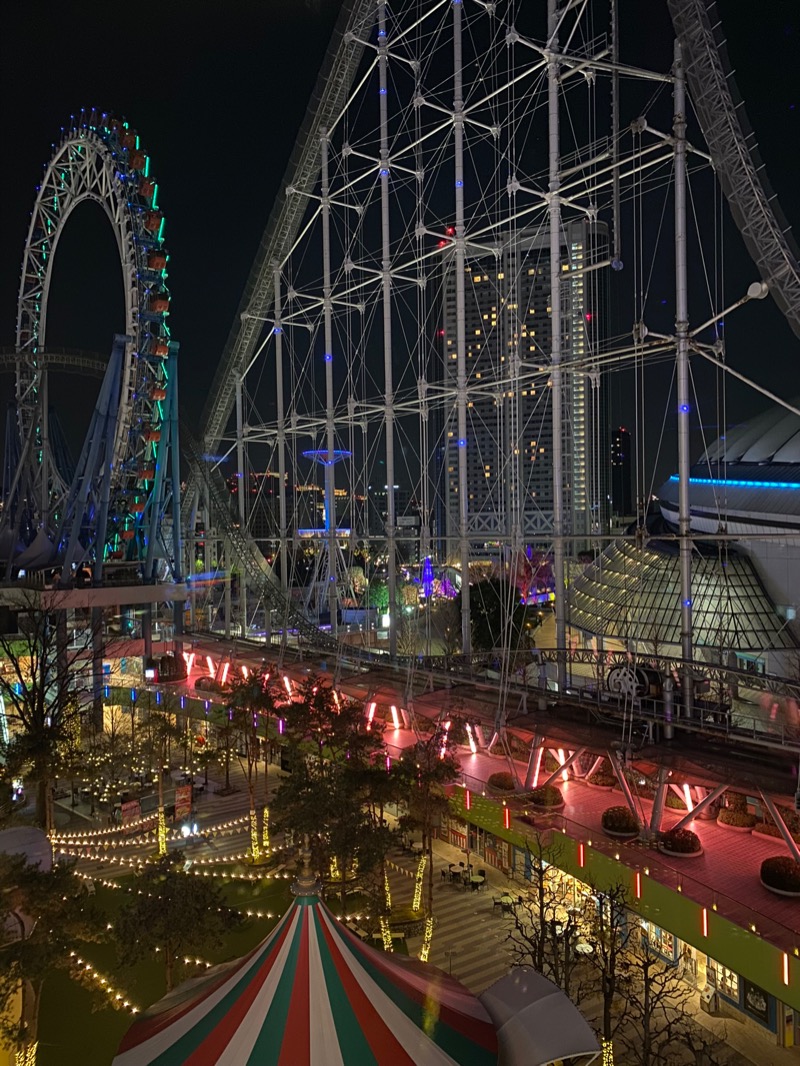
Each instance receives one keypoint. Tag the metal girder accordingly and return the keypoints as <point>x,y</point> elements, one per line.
<point>706,801</point>
<point>783,829</point>
<point>735,154</point>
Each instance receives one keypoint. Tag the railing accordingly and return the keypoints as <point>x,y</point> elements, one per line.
<point>640,855</point>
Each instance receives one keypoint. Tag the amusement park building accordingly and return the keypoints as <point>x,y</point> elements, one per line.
<point>745,589</point>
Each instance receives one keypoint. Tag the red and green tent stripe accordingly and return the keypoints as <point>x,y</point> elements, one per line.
<point>312,994</point>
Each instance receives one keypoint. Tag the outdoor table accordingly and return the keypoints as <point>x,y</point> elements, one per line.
<point>476,881</point>
<point>416,847</point>
<point>507,902</point>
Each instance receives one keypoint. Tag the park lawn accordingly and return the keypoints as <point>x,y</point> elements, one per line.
<point>76,1029</point>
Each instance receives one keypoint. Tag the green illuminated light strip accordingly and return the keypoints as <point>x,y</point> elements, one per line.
<point>155,199</point>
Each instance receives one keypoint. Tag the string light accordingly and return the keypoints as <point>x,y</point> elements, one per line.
<point>86,970</point>
<point>26,1056</point>
<point>425,950</point>
<point>386,935</point>
<point>608,1051</point>
<point>417,903</point>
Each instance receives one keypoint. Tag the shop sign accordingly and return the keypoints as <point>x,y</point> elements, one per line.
<point>756,1001</point>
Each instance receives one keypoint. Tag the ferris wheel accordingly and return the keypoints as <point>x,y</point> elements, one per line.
<point>100,158</point>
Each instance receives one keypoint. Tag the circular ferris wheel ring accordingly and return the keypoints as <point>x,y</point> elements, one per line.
<point>100,158</point>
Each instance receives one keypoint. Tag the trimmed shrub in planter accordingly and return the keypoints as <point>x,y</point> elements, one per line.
<point>604,778</point>
<point>674,802</point>
<point>736,819</point>
<point>546,796</point>
<point>502,781</point>
<point>680,842</point>
<point>620,822</point>
<point>769,829</point>
<point>781,874</point>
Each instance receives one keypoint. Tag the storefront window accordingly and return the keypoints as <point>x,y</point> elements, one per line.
<point>723,979</point>
<point>660,940</point>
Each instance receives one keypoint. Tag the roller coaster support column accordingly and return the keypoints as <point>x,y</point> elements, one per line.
<point>554,214</point>
<point>228,580</point>
<point>461,329</point>
<point>281,426</point>
<point>243,491</point>
<point>386,296</point>
<point>330,435</point>
<point>682,360</point>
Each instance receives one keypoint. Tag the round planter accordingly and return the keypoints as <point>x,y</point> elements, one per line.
<point>735,828</point>
<point>618,835</point>
<point>543,808</point>
<point>681,854</point>
<point>780,891</point>
<point>600,788</point>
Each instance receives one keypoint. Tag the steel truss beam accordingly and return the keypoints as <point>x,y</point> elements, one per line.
<point>735,154</point>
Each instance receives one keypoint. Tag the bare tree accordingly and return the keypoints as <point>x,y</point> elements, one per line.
<point>550,923</point>
<point>608,934</point>
<point>659,1026</point>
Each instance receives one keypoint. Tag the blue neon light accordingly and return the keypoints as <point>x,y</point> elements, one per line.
<point>736,483</point>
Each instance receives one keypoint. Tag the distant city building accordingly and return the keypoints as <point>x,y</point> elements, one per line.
<point>621,493</point>
<point>510,432</point>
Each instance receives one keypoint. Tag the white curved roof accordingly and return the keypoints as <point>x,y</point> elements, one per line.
<point>771,437</point>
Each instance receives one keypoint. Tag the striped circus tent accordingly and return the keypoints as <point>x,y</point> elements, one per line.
<point>312,994</point>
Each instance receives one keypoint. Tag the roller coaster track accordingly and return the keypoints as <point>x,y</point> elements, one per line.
<point>735,157</point>
<point>734,153</point>
<point>69,360</point>
<point>251,561</point>
<point>327,101</point>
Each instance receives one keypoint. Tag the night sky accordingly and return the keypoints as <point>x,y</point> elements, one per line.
<point>217,93</point>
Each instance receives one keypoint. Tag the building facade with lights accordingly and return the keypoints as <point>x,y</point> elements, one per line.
<point>510,426</point>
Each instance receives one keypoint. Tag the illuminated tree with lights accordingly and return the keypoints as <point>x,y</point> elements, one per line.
<point>45,679</point>
<point>46,917</point>
<point>252,705</point>
<point>171,913</point>
<point>428,769</point>
<point>159,729</point>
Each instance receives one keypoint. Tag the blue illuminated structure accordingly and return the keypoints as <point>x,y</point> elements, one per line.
<point>427,577</point>
<point>737,484</point>
<point>326,458</point>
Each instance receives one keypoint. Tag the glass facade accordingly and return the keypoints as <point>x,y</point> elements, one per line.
<point>631,594</point>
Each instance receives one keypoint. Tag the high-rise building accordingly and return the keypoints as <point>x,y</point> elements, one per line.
<point>621,495</point>
<point>509,438</point>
